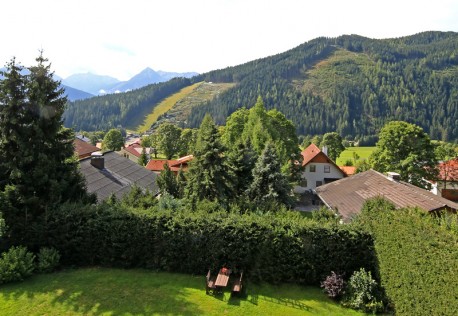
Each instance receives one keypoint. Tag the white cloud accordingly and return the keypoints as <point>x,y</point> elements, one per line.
<point>113,38</point>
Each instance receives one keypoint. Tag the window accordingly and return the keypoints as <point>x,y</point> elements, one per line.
<point>318,183</point>
<point>312,168</point>
<point>327,168</point>
<point>303,183</point>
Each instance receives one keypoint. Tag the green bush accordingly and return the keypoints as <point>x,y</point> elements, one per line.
<point>16,264</point>
<point>361,292</point>
<point>48,260</point>
<point>418,258</point>
<point>274,247</point>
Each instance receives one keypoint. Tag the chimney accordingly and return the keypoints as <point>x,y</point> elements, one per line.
<point>97,160</point>
<point>324,150</point>
<point>393,176</point>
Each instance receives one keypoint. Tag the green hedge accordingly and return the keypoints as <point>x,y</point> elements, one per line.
<point>273,248</point>
<point>418,260</point>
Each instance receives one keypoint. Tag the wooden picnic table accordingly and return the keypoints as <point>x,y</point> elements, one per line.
<point>223,277</point>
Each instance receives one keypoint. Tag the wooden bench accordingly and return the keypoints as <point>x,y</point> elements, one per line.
<point>237,286</point>
<point>210,283</point>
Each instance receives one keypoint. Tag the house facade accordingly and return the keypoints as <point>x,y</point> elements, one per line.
<point>319,169</point>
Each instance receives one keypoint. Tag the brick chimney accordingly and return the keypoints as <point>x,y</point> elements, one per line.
<point>97,160</point>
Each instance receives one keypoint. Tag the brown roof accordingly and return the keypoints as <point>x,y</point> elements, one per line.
<point>348,195</point>
<point>84,149</point>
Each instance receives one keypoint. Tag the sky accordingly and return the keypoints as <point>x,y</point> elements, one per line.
<point>121,38</point>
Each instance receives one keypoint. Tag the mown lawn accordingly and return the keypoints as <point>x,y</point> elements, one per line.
<point>347,154</point>
<point>100,291</point>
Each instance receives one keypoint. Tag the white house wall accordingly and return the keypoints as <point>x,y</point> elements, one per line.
<point>318,175</point>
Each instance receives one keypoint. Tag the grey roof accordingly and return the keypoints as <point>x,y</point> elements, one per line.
<point>118,176</point>
<point>348,195</point>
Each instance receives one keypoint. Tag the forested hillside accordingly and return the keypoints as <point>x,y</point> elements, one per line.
<point>125,109</point>
<point>349,84</point>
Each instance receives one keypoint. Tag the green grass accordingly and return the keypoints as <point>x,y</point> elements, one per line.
<point>100,291</point>
<point>347,154</point>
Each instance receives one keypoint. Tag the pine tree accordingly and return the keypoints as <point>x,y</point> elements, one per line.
<point>208,176</point>
<point>241,161</point>
<point>269,184</point>
<point>167,182</point>
<point>181,183</point>
<point>143,159</point>
<point>38,167</point>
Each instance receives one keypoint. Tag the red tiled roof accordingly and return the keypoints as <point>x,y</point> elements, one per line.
<point>309,153</point>
<point>348,170</point>
<point>84,149</point>
<point>313,154</point>
<point>132,148</point>
<point>348,195</point>
<point>156,165</point>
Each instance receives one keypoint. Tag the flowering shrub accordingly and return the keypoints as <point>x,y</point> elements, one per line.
<point>333,285</point>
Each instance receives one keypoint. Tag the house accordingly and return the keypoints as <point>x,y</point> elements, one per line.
<point>319,169</point>
<point>347,196</point>
<point>446,184</point>
<point>83,149</point>
<point>133,151</point>
<point>110,173</point>
<point>157,165</point>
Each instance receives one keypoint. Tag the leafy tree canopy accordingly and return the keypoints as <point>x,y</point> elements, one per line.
<point>333,142</point>
<point>406,149</point>
<point>113,140</point>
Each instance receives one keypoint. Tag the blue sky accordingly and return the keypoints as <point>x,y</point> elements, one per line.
<point>120,38</point>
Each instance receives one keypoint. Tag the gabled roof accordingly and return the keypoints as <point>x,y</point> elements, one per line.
<point>135,149</point>
<point>348,195</point>
<point>309,153</point>
<point>83,149</point>
<point>118,176</point>
<point>313,154</point>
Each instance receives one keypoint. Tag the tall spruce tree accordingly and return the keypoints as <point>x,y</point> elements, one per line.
<point>208,176</point>
<point>38,168</point>
<point>241,161</point>
<point>269,184</point>
<point>181,182</point>
<point>167,182</point>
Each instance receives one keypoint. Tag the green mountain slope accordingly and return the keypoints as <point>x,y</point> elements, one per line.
<point>349,84</point>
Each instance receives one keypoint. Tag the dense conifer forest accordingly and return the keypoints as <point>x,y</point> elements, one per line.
<point>349,84</point>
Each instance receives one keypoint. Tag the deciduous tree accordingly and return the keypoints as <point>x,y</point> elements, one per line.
<point>333,142</point>
<point>113,140</point>
<point>406,149</point>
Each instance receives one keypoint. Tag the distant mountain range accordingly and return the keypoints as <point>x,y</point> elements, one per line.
<point>71,93</point>
<point>99,85</point>
<point>83,86</point>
